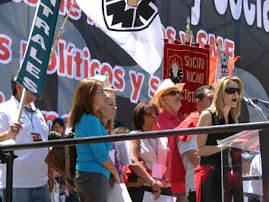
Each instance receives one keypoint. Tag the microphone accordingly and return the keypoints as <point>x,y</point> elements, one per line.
<point>246,100</point>
<point>265,103</point>
<point>250,102</point>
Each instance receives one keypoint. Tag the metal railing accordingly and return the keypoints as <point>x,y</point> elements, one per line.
<point>8,150</point>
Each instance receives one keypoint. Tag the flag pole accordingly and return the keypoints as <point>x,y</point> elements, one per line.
<point>22,100</point>
<point>61,31</point>
<point>133,2</point>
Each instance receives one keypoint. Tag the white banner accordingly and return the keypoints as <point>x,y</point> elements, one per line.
<point>138,30</point>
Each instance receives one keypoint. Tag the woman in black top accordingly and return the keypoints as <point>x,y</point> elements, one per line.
<point>225,109</point>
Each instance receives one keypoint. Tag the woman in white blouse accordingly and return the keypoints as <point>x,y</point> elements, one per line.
<point>149,156</point>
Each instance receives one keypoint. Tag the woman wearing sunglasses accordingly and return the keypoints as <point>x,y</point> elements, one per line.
<point>225,109</point>
<point>149,156</point>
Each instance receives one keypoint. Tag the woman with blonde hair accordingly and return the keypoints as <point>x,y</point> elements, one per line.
<point>107,116</point>
<point>108,112</point>
<point>93,166</point>
<point>225,109</point>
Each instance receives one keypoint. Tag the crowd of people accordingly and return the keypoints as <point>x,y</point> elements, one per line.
<point>188,168</point>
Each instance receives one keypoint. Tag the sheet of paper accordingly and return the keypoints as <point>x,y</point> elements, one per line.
<point>149,197</point>
<point>112,155</point>
<point>118,193</point>
<point>124,153</point>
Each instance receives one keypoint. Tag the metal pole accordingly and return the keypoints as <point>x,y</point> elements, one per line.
<point>9,179</point>
<point>257,109</point>
<point>22,100</point>
<point>139,135</point>
<point>264,145</point>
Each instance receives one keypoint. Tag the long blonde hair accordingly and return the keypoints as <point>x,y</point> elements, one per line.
<point>83,101</point>
<point>219,90</point>
<point>109,126</point>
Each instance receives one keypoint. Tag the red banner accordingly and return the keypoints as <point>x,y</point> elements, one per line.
<point>189,65</point>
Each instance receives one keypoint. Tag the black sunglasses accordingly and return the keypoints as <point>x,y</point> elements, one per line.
<point>173,93</point>
<point>231,90</point>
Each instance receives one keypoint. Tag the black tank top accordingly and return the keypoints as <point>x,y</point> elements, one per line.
<point>215,159</point>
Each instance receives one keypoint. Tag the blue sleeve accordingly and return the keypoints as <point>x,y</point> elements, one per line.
<point>99,150</point>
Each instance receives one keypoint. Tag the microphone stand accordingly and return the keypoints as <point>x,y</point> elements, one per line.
<point>265,103</point>
<point>258,109</point>
<point>263,117</point>
<point>250,102</point>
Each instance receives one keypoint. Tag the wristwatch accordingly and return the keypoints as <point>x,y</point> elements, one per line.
<point>166,179</point>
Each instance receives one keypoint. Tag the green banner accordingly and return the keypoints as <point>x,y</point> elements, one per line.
<point>33,71</point>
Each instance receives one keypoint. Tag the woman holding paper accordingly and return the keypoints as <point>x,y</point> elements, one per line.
<point>225,109</point>
<point>93,165</point>
<point>149,156</point>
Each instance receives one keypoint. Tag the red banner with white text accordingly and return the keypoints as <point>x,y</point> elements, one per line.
<point>189,65</point>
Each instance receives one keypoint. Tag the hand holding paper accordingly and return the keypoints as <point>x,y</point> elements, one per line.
<point>149,197</point>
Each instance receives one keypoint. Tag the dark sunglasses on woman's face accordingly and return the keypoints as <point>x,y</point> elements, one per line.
<point>173,93</point>
<point>231,90</point>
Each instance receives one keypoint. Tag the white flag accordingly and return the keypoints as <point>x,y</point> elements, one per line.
<point>138,30</point>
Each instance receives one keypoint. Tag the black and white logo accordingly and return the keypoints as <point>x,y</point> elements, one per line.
<point>176,73</point>
<point>119,16</point>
